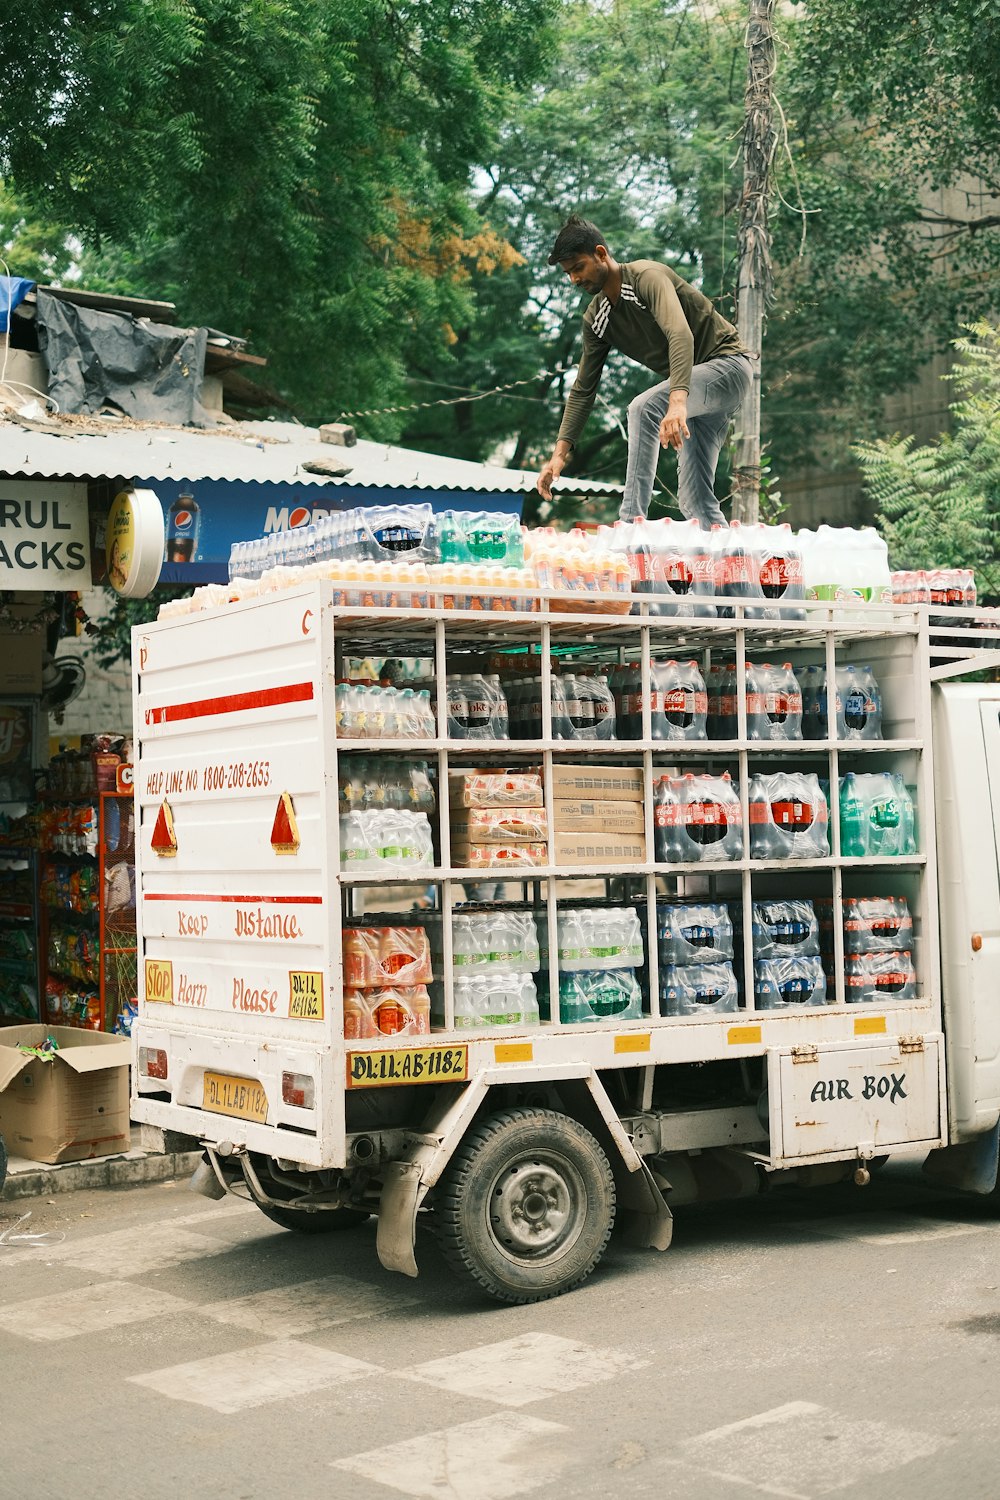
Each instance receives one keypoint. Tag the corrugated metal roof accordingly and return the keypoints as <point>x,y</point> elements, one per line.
<point>267,452</point>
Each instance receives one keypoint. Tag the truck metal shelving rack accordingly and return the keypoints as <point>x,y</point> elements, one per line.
<point>243,698</point>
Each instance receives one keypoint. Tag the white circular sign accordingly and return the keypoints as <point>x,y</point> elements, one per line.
<point>134,544</point>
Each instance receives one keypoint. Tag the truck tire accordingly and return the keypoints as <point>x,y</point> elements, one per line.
<point>322,1221</point>
<point>527,1205</point>
<point>3,1163</point>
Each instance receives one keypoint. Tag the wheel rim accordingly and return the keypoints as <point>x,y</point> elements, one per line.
<point>537,1207</point>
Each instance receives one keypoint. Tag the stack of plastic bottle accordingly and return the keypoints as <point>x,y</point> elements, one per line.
<point>671,562</point>
<point>945,588</point>
<point>386,974</point>
<point>599,950</point>
<point>877,817</point>
<point>760,567</point>
<point>697,819</point>
<point>878,948</point>
<point>384,782</point>
<point>695,945</point>
<point>788,968</point>
<point>678,701</point>
<point>788,817</point>
<point>494,956</point>
<point>477,707</point>
<point>381,712</point>
<point>857,704</point>
<point>385,842</point>
<point>595,578</point>
<point>773,702</point>
<point>582,706</point>
<point>845,565</point>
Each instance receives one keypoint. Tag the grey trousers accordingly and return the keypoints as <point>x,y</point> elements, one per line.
<point>717,389</point>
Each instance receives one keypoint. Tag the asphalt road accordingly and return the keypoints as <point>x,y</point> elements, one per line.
<point>839,1342</point>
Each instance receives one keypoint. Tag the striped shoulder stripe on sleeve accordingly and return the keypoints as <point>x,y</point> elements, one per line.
<point>629,294</point>
<point>601,316</point>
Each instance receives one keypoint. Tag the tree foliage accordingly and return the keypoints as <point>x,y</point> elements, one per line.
<point>295,171</point>
<point>939,504</point>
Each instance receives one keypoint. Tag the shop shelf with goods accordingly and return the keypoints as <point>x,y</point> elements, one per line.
<point>20,910</point>
<point>116,875</point>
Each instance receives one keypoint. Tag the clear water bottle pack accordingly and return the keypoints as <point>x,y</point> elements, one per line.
<point>877,924</point>
<point>788,817</point>
<point>694,933</point>
<point>878,978</point>
<point>499,998</point>
<point>699,989</point>
<point>385,842</point>
<point>477,707</point>
<point>599,995</point>
<point>489,788</point>
<point>493,942</point>
<point>383,781</point>
<point>697,819</point>
<point>376,712</point>
<point>598,937</point>
<point>877,818</point>
<point>785,929</point>
<point>781,983</point>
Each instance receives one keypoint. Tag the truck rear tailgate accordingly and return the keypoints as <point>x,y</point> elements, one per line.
<point>234,912</point>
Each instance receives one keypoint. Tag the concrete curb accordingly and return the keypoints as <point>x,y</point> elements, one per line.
<point>110,1172</point>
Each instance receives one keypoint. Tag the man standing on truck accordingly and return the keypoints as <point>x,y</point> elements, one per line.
<point>661,321</point>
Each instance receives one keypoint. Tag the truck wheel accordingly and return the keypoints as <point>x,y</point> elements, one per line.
<point>527,1205</point>
<point>322,1221</point>
<point>3,1163</point>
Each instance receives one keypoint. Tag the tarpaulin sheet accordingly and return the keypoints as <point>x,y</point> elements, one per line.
<point>150,371</point>
<point>13,290</point>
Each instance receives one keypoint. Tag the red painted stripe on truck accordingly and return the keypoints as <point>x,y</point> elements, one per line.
<point>208,896</point>
<point>231,703</point>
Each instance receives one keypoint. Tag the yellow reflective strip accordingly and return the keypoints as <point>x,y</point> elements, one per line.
<point>634,1042</point>
<point>506,1052</point>
<point>869,1025</point>
<point>743,1036</point>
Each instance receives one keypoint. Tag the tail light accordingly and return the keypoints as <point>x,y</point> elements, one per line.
<point>152,1062</point>
<point>299,1090</point>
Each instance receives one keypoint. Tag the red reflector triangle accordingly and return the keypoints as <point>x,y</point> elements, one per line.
<point>164,840</point>
<point>285,830</point>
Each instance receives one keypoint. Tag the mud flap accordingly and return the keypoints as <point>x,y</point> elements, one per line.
<point>971,1166</point>
<point>647,1222</point>
<point>397,1217</point>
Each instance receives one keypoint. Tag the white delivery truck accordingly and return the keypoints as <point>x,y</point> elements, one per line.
<point>516,1128</point>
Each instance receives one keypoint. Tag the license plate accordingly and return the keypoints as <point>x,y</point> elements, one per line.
<point>366,1070</point>
<point>243,1098</point>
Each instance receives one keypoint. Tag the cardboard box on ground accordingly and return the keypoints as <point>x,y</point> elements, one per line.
<point>70,1108</point>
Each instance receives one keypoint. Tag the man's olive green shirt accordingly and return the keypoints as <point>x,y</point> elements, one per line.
<point>660,321</point>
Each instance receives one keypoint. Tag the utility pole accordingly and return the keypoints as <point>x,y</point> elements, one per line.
<point>754,284</point>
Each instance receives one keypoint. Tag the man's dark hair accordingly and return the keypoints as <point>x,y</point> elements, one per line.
<point>577,237</point>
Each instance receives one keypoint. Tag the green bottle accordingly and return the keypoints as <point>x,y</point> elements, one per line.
<point>853,839</point>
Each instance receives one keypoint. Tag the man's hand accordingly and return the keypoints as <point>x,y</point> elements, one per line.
<point>550,471</point>
<point>674,427</point>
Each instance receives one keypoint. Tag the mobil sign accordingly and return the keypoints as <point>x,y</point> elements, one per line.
<point>44,535</point>
<point>234,510</point>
